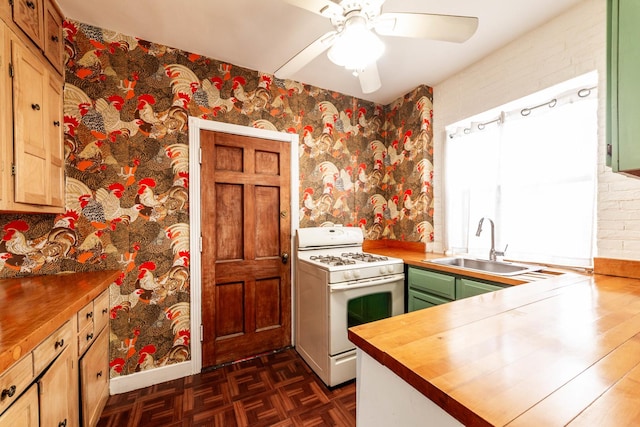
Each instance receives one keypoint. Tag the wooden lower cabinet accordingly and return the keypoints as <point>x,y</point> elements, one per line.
<point>24,412</point>
<point>57,389</point>
<point>66,375</point>
<point>94,379</point>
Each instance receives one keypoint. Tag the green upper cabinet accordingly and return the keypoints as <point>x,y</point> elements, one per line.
<point>623,86</point>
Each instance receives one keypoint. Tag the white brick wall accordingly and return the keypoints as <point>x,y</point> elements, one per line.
<point>568,46</point>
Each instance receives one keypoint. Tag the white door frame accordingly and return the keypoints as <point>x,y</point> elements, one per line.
<point>195,126</point>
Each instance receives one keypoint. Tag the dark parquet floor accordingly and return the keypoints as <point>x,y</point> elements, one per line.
<point>277,389</point>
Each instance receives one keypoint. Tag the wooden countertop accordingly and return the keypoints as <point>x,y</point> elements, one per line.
<point>31,308</point>
<point>565,350</point>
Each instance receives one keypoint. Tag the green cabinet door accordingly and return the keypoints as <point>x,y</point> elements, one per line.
<point>623,86</point>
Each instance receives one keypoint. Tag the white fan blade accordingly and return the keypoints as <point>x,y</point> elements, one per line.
<point>370,79</point>
<point>321,7</point>
<point>428,26</point>
<point>306,55</point>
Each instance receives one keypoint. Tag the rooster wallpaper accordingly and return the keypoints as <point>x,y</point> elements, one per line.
<point>126,108</point>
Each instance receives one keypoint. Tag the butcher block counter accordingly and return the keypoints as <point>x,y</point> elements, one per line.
<point>31,308</point>
<point>565,350</point>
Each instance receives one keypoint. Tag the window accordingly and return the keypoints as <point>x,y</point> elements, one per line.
<point>531,168</point>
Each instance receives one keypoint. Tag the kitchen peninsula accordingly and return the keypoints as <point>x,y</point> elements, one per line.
<point>54,337</point>
<point>564,350</point>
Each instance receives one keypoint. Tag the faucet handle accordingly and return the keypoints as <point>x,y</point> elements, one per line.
<point>498,253</point>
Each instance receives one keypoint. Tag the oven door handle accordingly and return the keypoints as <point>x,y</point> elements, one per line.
<point>368,283</point>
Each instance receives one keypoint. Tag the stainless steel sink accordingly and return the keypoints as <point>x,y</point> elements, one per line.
<point>501,268</point>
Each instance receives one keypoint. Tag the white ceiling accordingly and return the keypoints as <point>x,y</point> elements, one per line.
<point>263,34</point>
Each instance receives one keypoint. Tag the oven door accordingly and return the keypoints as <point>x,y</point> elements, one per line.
<point>355,303</point>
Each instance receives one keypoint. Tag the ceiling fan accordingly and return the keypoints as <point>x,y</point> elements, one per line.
<point>354,45</point>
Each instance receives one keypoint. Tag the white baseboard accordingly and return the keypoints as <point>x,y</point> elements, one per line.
<point>148,378</point>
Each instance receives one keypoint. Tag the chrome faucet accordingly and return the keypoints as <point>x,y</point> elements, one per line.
<point>493,254</point>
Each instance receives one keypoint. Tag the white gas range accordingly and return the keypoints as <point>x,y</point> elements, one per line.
<point>339,286</point>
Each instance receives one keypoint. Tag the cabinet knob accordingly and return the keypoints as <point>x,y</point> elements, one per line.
<point>36,107</point>
<point>105,310</point>
<point>58,344</point>
<point>54,39</point>
<point>8,392</point>
<point>89,337</point>
<point>30,4</point>
<point>56,123</point>
<point>99,374</point>
<point>90,315</point>
<point>63,423</point>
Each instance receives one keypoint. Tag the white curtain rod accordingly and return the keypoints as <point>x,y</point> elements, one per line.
<point>563,98</point>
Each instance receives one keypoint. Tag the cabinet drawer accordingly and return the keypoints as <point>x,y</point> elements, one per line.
<point>94,379</point>
<point>432,282</point>
<point>468,288</point>
<point>85,316</point>
<point>419,300</point>
<point>52,346</point>
<point>101,311</point>
<point>15,380</point>
<point>85,338</point>
<point>25,411</point>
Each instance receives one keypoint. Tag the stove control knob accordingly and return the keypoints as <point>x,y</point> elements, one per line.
<point>383,269</point>
<point>348,275</point>
<point>356,274</point>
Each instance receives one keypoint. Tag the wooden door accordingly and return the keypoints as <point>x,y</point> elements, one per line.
<point>54,140</point>
<point>55,404</point>
<point>24,412</point>
<point>246,288</point>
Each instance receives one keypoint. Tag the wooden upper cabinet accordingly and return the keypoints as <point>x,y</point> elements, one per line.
<point>30,150</point>
<point>37,133</point>
<point>27,14</point>
<point>6,154</point>
<point>54,140</point>
<point>53,42</point>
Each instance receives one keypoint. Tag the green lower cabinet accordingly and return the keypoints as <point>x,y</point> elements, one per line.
<point>426,288</point>
<point>466,288</point>
<point>419,300</point>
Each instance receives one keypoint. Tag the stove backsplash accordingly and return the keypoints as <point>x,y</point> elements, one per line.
<point>127,103</point>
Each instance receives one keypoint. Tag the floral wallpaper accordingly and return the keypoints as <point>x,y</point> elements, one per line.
<point>126,108</point>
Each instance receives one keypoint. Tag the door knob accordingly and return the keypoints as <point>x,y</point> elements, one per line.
<point>284,257</point>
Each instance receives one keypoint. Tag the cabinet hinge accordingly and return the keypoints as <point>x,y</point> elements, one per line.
<point>200,159</point>
<point>11,70</point>
<point>201,332</point>
<point>11,3</point>
<point>13,169</point>
<point>200,243</point>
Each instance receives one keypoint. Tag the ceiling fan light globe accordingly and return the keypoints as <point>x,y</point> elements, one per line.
<point>357,46</point>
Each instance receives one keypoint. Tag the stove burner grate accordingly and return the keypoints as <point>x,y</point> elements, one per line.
<point>364,257</point>
<point>331,260</point>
